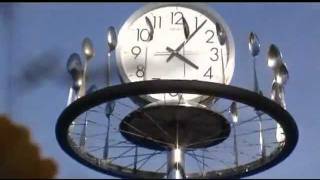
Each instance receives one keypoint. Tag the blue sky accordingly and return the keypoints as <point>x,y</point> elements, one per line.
<point>29,31</point>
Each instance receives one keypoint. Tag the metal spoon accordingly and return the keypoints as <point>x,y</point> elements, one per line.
<point>254,44</point>
<point>75,69</point>
<point>274,58</point>
<point>282,74</point>
<point>234,112</point>
<point>88,51</point>
<point>254,48</point>
<point>112,38</point>
<point>112,44</point>
<point>221,34</point>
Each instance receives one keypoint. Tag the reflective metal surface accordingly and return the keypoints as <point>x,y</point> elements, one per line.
<point>274,58</point>
<point>254,44</point>
<point>87,48</point>
<point>112,38</point>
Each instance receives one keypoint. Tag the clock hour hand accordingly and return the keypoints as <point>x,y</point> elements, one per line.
<point>182,58</point>
<point>186,41</point>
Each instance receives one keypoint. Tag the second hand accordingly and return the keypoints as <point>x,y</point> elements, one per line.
<point>145,64</point>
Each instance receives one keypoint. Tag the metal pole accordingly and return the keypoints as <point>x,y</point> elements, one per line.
<point>175,167</point>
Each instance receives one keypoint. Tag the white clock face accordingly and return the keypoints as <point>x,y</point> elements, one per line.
<point>174,42</point>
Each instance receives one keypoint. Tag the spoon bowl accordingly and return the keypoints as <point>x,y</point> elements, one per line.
<point>87,48</point>
<point>109,108</point>
<point>274,57</point>
<point>234,112</point>
<point>112,38</point>
<point>254,44</point>
<point>75,69</point>
<point>221,34</point>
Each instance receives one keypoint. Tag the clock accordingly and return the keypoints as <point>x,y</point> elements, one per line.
<point>185,41</point>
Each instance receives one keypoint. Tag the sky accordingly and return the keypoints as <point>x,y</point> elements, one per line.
<point>32,34</point>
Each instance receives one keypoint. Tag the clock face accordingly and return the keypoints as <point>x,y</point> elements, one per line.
<point>175,41</point>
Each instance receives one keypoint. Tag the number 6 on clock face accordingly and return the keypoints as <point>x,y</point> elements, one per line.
<point>147,36</point>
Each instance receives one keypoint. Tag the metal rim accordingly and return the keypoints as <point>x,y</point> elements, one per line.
<point>252,99</point>
<point>200,7</point>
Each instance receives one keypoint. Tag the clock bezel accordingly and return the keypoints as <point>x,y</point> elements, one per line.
<point>199,7</point>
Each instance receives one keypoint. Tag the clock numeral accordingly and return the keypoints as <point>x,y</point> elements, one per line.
<point>208,73</point>
<point>143,35</point>
<point>176,18</point>
<point>196,22</point>
<point>156,21</point>
<point>136,50</point>
<point>211,34</point>
<point>140,71</point>
<point>215,53</point>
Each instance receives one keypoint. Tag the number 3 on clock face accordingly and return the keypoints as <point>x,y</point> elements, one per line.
<point>175,41</point>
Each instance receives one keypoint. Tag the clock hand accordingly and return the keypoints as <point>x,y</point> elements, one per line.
<point>186,41</point>
<point>185,28</point>
<point>151,28</point>
<point>182,58</point>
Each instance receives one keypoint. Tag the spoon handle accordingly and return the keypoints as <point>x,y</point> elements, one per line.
<point>83,86</point>
<point>108,68</point>
<point>256,84</point>
<point>70,96</point>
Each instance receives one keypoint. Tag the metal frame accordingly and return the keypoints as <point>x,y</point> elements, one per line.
<point>249,98</point>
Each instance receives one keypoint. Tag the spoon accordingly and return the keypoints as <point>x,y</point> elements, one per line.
<point>234,112</point>
<point>112,44</point>
<point>88,51</point>
<point>274,58</point>
<point>221,34</point>
<point>75,69</point>
<point>254,44</point>
<point>254,48</point>
<point>282,74</point>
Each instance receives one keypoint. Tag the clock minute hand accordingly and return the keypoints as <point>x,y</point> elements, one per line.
<point>182,58</point>
<point>186,41</point>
